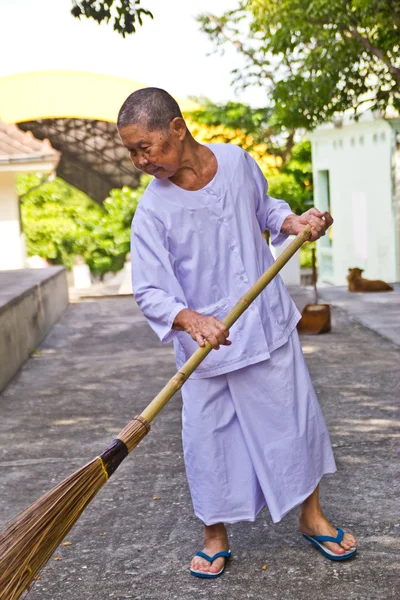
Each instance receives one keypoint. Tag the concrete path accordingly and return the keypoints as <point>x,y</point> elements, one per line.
<point>100,366</point>
<point>378,311</point>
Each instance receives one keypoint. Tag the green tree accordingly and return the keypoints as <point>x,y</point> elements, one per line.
<point>293,182</point>
<point>61,222</point>
<point>258,125</point>
<point>124,14</point>
<point>58,219</point>
<point>111,237</point>
<point>315,58</point>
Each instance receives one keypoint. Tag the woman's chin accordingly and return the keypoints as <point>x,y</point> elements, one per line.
<point>161,173</point>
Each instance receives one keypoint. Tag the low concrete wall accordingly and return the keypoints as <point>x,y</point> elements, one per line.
<point>31,301</point>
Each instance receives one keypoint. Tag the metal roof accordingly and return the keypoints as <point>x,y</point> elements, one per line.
<point>92,156</point>
<point>77,112</point>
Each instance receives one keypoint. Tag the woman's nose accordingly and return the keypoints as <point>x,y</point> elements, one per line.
<point>142,161</point>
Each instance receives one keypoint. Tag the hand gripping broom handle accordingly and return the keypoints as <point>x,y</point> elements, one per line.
<point>136,429</point>
<point>197,357</point>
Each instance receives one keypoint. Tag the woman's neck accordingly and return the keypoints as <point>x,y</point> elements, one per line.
<point>198,166</point>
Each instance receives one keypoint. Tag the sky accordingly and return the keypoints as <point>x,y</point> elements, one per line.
<point>169,52</point>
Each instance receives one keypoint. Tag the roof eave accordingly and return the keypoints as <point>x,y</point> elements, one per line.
<point>36,164</point>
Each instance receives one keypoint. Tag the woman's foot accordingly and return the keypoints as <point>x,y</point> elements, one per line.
<point>313,522</point>
<point>321,526</point>
<point>215,540</point>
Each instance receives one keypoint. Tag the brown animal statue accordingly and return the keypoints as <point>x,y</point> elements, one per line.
<point>358,284</point>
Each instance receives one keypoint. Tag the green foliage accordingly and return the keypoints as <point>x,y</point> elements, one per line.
<point>58,220</point>
<point>28,182</point>
<point>315,58</point>
<point>306,255</point>
<point>285,186</point>
<point>252,121</point>
<point>295,178</point>
<point>125,14</point>
<point>61,222</point>
<point>293,183</point>
<point>259,125</point>
<point>111,237</point>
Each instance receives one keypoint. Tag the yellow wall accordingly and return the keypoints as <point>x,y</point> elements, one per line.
<point>52,94</point>
<point>71,94</point>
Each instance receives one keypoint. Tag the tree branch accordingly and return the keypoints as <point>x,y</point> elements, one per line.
<point>368,45</point>
<point>352,31</point>
<point>287,149</point>
<point>240,46</point>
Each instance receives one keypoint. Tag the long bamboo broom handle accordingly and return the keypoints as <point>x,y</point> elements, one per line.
<point>29,541</point>
<point>197,357</point>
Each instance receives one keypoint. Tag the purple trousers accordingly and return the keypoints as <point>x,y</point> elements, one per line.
<point>254,437</point>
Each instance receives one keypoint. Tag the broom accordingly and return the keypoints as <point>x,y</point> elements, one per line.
<point>32,537</point>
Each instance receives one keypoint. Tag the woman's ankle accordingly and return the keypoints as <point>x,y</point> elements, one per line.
<point>312,514</point>
<point>215,532</point>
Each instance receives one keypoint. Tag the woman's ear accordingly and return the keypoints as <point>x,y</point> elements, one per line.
<point>178,127</point>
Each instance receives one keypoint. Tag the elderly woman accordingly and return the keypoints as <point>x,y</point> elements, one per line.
<point>253,432</point>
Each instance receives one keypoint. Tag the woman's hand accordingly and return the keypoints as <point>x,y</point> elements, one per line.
<point>319,222</point>
<point>202,328</point>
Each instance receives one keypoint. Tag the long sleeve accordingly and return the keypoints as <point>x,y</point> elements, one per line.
<point>270,212</point>
<point>155,287</point>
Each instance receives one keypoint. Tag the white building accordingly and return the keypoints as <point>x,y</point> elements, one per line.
<point>19,152</point>
<point>356,168</point>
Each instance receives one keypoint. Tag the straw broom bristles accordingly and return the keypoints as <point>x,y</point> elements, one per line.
<point>29,541</point>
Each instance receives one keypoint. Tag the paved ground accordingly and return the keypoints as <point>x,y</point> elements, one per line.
<point>378,311</point>
<point>101,365</point>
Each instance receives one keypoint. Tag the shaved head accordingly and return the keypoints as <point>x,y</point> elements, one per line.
<point>151,107</point>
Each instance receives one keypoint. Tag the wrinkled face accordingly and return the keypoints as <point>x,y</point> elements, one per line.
<point>157,153</point>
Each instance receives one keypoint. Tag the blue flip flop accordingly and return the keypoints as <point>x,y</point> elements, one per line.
<point>211,559</point>
<point>317,540</point>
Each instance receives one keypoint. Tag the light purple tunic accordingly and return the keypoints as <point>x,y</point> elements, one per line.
<point>203,250</point>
